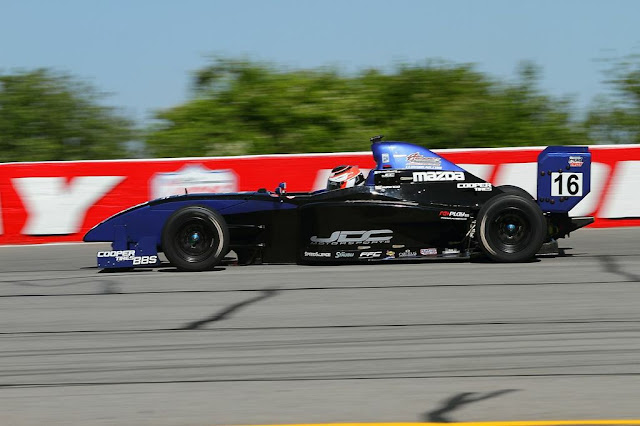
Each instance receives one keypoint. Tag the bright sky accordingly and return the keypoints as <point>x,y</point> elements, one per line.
<point>142,52</point>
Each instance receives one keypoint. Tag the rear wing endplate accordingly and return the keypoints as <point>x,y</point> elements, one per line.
<point>564,177</point>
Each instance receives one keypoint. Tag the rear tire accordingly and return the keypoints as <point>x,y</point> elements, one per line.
<point>511,228</point>
<point>512,189</point>
<point>195,238</point>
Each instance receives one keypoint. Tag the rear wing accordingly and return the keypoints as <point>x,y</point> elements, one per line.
<point>564,177</point>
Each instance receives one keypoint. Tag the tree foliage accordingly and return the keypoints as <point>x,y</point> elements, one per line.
<point>616,119</point>
<point>48,116</point>
<point>247,107</point>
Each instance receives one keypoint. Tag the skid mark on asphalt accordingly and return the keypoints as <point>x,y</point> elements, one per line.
<point>610,265</point>
<point>228,311</point>
<point>635,278</point>
<point>327,327</point>
<point>457,401</point>
<point>63,282</point>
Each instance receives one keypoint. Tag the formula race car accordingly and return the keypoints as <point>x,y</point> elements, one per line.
<point>415,205</point>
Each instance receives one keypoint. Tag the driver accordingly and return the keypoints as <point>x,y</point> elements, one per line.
<point>345,177</point>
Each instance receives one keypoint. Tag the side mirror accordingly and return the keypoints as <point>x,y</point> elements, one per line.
<point>281,190</point>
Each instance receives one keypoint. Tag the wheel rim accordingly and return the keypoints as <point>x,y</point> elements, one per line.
<point>196,240</point>
<point>511,230</point>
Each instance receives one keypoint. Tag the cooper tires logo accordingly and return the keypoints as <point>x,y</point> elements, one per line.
<point>478,186</point>
<point>129,256</point>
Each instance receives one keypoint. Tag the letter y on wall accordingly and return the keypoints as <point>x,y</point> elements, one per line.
<point>57,208</point>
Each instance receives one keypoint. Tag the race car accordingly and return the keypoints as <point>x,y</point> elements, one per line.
<point>414,205</point>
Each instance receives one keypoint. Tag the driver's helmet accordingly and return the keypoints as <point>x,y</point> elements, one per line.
<point>345,177</point>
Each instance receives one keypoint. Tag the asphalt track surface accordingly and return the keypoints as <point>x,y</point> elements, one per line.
<point>558,338</point>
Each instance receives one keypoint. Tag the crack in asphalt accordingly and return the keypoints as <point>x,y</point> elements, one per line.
<point>228,311</point>
<point>457,401</point>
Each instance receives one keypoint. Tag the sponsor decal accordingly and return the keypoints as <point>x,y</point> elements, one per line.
<point>478,186</point>
<point>417,160</point>
<point>437,176</point>
<point>193,179</point>
<point>429,252</point>
<point>145,260</point>
<point>129,255</point>
<point>407,253</point>
<point>387,187</point>
<point>472,230</point>
<point>316,254</point>
<point>390,253</point>
<point>118,254</point>
<point>385,157</point>
<point>355,237</point>
<point>370,254</point>
<point>450,251</point>
<point>344,254</point>
<point>575,161</point>
<point>388,174</point>
<point>451,215</point>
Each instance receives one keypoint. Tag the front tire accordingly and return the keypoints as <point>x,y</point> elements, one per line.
<point>511,228</point>
<point>195,238</point>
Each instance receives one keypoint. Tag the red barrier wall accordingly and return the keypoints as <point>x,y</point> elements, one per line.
<point>59,201</point>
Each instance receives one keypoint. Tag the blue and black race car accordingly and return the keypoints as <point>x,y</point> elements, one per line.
<point>415,205</point>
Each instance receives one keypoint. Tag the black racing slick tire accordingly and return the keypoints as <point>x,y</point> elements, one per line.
<point>512,189</point>
<point>195,238</point>
<point>510,228</point>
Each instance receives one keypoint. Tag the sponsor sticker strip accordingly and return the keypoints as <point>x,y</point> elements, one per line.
<point>437,176</point>
<point>128,256</point>
<point>478,186</point>
<point>316,254</point>
<point>453,215</point>
<point>355,237</point>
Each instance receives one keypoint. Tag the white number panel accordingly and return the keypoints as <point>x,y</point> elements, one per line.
<point>566,184</point>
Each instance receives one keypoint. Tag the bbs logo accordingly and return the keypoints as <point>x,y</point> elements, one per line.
<point>145,260</point>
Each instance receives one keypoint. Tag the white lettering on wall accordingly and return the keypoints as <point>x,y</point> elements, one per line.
<point>57,208</point>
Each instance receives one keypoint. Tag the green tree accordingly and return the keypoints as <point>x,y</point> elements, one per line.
<point>49,116</point>
<point>247,107</point>
<point>616,118</point>
<point>449,106</point>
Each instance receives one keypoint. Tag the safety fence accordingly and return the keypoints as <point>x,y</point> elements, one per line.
<point>46,202</point>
